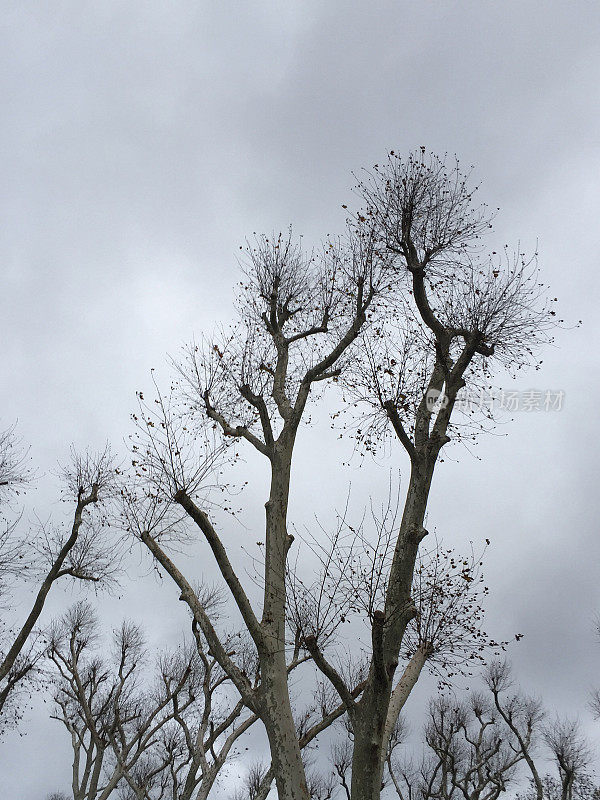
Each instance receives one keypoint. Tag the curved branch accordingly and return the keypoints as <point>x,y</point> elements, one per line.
<point>222,559</point>
<point>53,574</point>
<point>331,673</point>
<point>239,431</point>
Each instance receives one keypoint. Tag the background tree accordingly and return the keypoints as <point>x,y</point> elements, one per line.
<point>480,745</point>
<point>43,554</point>
<point>470,752</point>
<point>572,756</point>
<point>483,746</point>
<point>113,713</point>
<point>146,734</point>
<point>563,739</point>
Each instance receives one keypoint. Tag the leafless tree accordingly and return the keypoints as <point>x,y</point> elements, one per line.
<point>478,748</point>
<point>212,726</point>
<point>44,554</point>
<point>408,280</point>
<point>451,318</point>
<point>149,737</point>
<point>470,754</point>
<point>563,739</point>
<point>583,788</point>
<point>113,717</point>
<point>300,316</point>
<point>521,714</point>
<point>256,784</point>
<point>571,754</point>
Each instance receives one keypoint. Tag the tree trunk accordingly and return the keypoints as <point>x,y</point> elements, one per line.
<point>371,714</point>
<point>281,729</point>
<point>276,711</point>
<point>368,725</point>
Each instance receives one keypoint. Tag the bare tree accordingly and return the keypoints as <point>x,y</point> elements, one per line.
<point>470,754</point>
<point>594,702</point>
<point>300,317</point>
<point>563,739</point>
<point>147,737</point>
<point>451,318</point>
<point>256,784</point>
<point>571,754</point>
<point>477,748</point>
<point>521,714</point>
<point>113,713</point>
<point>210,728</point>
<point>45,554</point>
<point>435,317</point>
<point>583,788</point>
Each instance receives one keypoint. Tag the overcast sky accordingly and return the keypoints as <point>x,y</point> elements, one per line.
<point>142,141</point>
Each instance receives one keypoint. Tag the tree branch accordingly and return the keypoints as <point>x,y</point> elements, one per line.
<point>222,559</point>
<point>239,431</point>
<point>258,402</point>
<point>51,576</point>
<point>331,673</point>
<point>393,416</point>
<point>188,596</point>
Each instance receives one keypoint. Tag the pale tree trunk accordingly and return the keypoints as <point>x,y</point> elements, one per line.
<point>274,693</point>
<point>368,728</point>
<point>402,691</point>
<point>93,790</point>
<point>281,730</point>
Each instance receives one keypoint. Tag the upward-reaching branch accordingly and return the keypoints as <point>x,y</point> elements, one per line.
<point>220,554</point>
<point>189,597</point>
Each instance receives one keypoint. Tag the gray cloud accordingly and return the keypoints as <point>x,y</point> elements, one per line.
<point>142,142</point>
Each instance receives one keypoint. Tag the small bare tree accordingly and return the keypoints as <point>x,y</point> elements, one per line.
<point>572,756</point>
<point>563,739</point>
<point>477,748</point>
<point>471,754</point>
<point>14,472</point>
<point>210,728</point>
<point>114,716</point>
<point>583,788</point>
<point>44,555</point>
<point>514,709</point>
